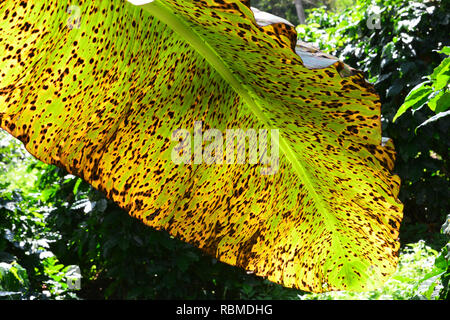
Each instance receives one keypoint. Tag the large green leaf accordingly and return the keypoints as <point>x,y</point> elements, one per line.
<point>103,97</point>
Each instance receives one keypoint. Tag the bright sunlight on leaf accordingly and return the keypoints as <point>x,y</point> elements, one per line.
<point>99,88</point>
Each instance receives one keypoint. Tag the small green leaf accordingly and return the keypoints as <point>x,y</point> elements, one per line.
<point>433,273</point>
<point>434,118</point>
<point>441,262</point>
<point>47,194</point>
<point>443,103</point>
<point>77,185</point>
<point>416,98</point>
<point>13,277</point>
<point>445,50</point>
<point>402,278</point>
<point>441,75</point>
<point>434,98</point>
<point>429,293</point>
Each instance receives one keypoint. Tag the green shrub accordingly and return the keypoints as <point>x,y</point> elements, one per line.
<point>28,270</point>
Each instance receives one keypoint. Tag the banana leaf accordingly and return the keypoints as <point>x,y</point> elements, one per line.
<point>111,91</point>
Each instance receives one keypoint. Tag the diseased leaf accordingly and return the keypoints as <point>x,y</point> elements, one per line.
<point>102,97</point>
